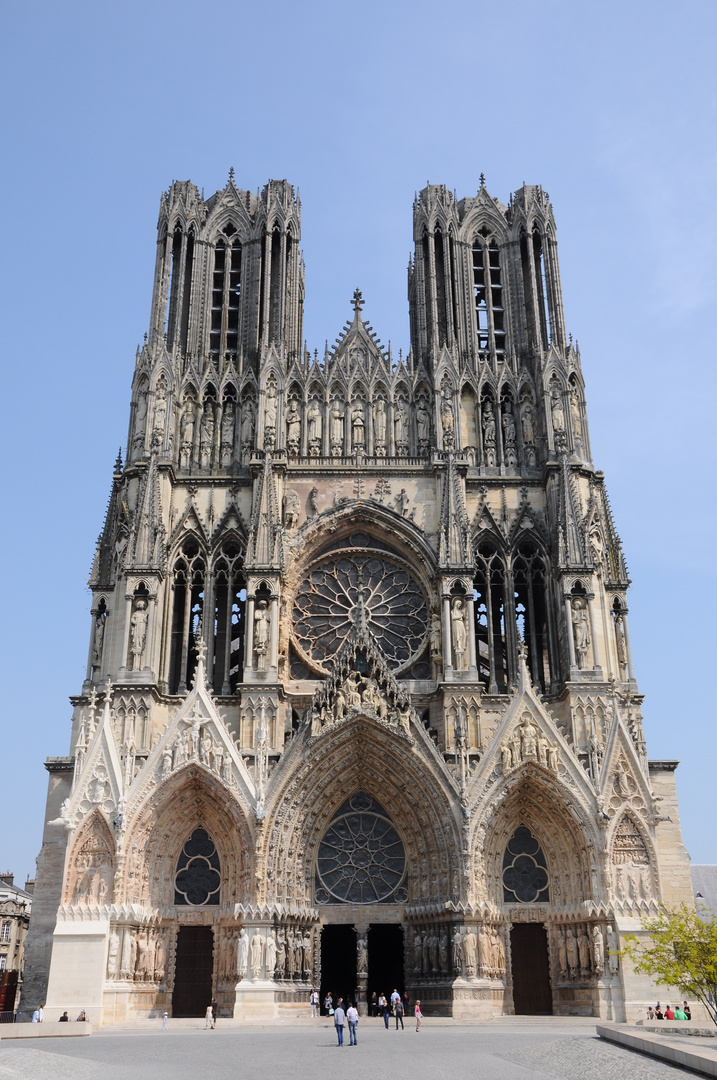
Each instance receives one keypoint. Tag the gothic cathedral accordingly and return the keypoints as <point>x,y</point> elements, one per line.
<point>359,710</point>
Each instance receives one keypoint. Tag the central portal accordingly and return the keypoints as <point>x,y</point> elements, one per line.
<point>338,963</point>
<point>385,960</point>
<point>532,994</point>
<point>193,971</point>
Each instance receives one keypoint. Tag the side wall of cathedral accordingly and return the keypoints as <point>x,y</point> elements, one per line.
<point>359,649</point>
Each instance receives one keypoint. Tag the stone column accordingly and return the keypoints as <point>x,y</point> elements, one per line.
<point>447,640</point>
<point>471,614</point>
<point>249,634</point>
<point>127,620</point>
<point>274,633</point>
<point>596,652</point>
<point>628,650</point>
<point>571,636</point>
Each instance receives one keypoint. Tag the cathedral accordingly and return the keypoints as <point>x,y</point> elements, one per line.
<point>359,708</point>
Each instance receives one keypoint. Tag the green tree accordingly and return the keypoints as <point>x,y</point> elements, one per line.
<point>681,952</point>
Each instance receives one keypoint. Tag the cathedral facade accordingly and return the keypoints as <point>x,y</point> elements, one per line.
<point>359,709</point>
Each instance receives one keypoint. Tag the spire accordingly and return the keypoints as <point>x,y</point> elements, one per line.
<point>264,548</point>
<point>571,546</point>
<point>147,528</point>
<point>358,302</point>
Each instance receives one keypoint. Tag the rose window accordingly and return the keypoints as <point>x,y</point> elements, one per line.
<point>525,873</point>
<point>197,879</point>
<point>326,607</point>
<point>361,858</point>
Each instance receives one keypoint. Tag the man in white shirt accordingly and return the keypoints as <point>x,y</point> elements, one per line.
<point>38,1014</point>
<point>314,999</point>
<point>339,1018</point>
<point>352,1017</point>
<point>395,996</point>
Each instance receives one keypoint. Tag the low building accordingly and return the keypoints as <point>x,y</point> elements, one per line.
<point>704,885</point>
<point>15,907</point>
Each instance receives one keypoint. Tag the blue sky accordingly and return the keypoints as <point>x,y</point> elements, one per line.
<point>610,106</point>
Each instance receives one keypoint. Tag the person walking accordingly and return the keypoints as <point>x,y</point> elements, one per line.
<point>215,1012</point>
<point>352,1017</point>
<point>208,1018</point>
<point>329,1004</point>
<point>339,1018</point>
<point>384,1009</point>
<point>38,1014</point>
<point>398,1013</point>
<point>165,1018</point>
<point>419,1014</point>
<point>374,1004</point>
<point>314,1000</point>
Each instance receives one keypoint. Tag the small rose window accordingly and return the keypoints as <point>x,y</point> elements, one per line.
<point>525,872</point>
<point>197,879</point>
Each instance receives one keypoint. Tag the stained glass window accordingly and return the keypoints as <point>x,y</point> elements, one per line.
<point>525,872</point>
<point>197,879</point>
<point>361,857</point>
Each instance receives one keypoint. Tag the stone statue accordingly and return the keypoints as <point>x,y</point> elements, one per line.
<point>527,423</point>
<point>489,433</point>
<point>400,427</point>
<point>558,415</point>
<point>186,432</point>
<point>612,957</point>
<point>308,953</point>
<point>598,949</point>
<point>469,952</point>
<point>242,953</point>
<point>112,951</point>
<point>562,955</point>
<point>140,418</point>
<point>620,642</point>
<point>271,406</point>
<point>510,456</point>
<point>336,429</point>
<point>584,950</point>
<point>436,636</point>
<point>228,426</point>
<point>313,502</point>
<point>262,626</point>
<point>339,705</point>
<point>402,502</point>
<point>459,633</point>
<point>433,951</point>
<point>138,634</point>
<point>160,959</point>
<point>280,960</point>
<point>248,424</point>
<point>543,746</point>
<point>206,434</point>
<point>256,952</point>
<point>571,947</point>
<point>425,956</point>
<point>576,418</point>
<point>457,952</point>
<point>358,429</point>
<point>448,420</point>
<point>443,952</point>
<point>507,758</point>
<point>126,961</point>
<point>528,739</point>
<point>291,509</point>
<point>270,952</point>
<point>379,426</point>
<point>293,428</point>
<point>99,638</point>
<point>361,955</point>
<point>160,415</point>
<point>553,758</point>
<point>423,425</point>
<point>313,427</point>
<point>581,630</point>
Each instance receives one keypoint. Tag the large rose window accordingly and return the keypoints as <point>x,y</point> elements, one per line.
<point>327,604</point>
<point>361,858</point>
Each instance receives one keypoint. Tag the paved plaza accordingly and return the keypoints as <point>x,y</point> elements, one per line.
<point>508,1049</point>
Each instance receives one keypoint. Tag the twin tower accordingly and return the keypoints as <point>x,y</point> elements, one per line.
<point>359,708</point>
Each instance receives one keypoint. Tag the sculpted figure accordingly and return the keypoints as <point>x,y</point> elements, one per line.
<point>584,950</point>
<point>337,428</point>
<point>242,953</point>
<point>270,413</point>
<point>400,426</point>
<point>186,432</point>
<point>443,952</point>
<point>469,952</point>
<point>140,418</point>
<point>339,705</point>
<point>598,944</point>
<point>291,509</point>
<point>612,957</point>
<point>436,635</point>
<point>262,626</point>
<point>507,758</point>
<point>138,634</point>
<point>527,423</point>
<point>511,458</point>
<point>270,952</point>
<point>99,638</point>
<point>581,630</point>
<point>423,425</point>
<point>543,746</point>
<point>248,424</point>
<point>313,502</point>
<point>160,415</point>
<point>571,947</point>
<point>313,427</point>
<point>528,739</point>
<point>112,951</point>
<point>425,957</point>
<point>379,427</point>
<point>160,959</point>
<point>126,962</point>
<point>576,418</point>
<point>620,641</point>
<point>228,425</point>
<point>132,955</point>
<point>433,951</point>
<point>483,949</point>
<point>448,420</point>
<point>553,758</point>
<point>293,428</point>
<point>206,433</point>
<point>256,953</point>
<point>562,955</point>
<point>459,633</point>
<point>358,430</point>
<point>280,959</point>
<point>558,415</point>
<point>417,953</point>
<point>489,433</point>
<point>361,955</point>
<point>308,954</point>
<point>457,952</point>
<point>354,696</point>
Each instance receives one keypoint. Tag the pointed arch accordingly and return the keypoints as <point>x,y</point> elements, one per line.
<point>90,868</point>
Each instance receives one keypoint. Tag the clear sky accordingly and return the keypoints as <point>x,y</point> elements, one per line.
<point>610,106</point>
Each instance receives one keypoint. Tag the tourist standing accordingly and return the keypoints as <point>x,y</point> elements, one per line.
<point>398,1013</point>
<point>353,1018</point>
<point>208,1018</point>
<point>314,1000</point>
<point>165,1018</point>
<point>339,1018</point>
<point>419,1014</point>
<point>38,1014</point>
<point>384,1009</point>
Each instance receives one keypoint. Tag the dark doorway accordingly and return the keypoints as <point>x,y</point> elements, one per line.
<point>338,963</point>
<point>385,959</point>
<point>193,971</point>
<point>532,995</point>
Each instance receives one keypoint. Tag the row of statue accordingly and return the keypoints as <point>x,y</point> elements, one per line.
<point>286,953</point>
<point>478,952</point>
<point>93,887</point>
<point>136,955</point>
<point>580,950</point>
<point>359,693</point>
<point>557,415</point>
<point>631,882</point>
<point>528,742</point>
<point>196,743</point>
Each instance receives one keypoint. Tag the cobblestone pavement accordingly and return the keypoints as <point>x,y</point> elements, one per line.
<point>506,1051</point>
